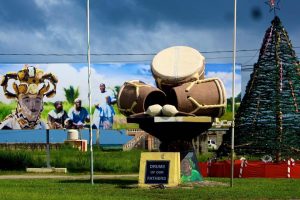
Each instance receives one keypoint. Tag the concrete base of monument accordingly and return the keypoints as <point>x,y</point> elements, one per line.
<point>47,170</point>
<point>159,169</point>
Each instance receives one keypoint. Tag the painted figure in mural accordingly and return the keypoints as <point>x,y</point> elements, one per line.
<point>188,171</point>
<point>104,112</point>
<point>30,85</point>
<point>57,116</point>
<point>78,115</point>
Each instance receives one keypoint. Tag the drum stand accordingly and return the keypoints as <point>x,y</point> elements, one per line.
<point>175,133</point>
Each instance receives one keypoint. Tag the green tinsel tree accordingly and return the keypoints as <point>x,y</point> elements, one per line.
<point>268,120</point>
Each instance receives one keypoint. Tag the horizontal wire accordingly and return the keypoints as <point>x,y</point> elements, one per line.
<point>117,54</point>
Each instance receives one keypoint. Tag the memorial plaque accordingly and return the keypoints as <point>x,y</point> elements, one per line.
<point>157,172</point>
<point>159,168</point>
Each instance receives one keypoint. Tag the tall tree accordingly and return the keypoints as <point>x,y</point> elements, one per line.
<point>268,119</point>
<point>71,94</point>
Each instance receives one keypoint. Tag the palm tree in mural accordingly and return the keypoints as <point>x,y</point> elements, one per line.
<point>116,90</point>
<point>71,94</point>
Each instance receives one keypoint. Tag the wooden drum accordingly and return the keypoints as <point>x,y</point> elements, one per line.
<point>202,98</point>
<point>136,96</point>
<point>177,65</point>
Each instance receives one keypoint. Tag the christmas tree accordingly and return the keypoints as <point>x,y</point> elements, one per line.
<point>268,120</point>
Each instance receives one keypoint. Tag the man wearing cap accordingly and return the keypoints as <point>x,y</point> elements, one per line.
<point>57,116</point>
<point>78,114</point>
<point>104,112</point>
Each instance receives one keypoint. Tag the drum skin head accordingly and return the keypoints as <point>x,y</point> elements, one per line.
<point>177,63</point>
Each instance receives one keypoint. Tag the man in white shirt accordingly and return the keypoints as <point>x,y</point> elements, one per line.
<point>104,112</point>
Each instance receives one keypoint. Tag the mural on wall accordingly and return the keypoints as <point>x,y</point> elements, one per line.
<point>55,96</point>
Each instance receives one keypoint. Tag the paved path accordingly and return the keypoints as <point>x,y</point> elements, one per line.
<point>65,177</point>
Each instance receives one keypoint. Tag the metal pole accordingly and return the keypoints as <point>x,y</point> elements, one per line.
<point>48,148</point>
<point>90,90</point>
<point>233,95</point>
<point>98,137</point>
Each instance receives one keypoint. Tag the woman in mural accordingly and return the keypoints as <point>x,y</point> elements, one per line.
<point>188,171</point>
<point>29,85</point>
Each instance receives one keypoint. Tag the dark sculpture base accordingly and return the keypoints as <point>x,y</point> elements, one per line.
<point>174,133</point>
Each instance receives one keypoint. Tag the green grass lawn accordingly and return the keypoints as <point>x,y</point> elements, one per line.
<point>126,188</point>
<point>74,160</point>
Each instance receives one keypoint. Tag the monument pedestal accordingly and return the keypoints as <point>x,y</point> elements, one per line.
<point>175,135</point>
<point>159,168</point>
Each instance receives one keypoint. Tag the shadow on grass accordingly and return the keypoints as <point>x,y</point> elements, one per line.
<point>119,183</point>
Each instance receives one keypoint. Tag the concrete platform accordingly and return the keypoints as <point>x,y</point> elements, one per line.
<point>47,170</point>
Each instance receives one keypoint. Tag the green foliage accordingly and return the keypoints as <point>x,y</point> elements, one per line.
<point>237,99</point>
<point>118,162</point>
<point>71,94</point>
<point>18,160</point>
<point>73,160</point>
<point>228,114</point>
<point>116,109</point>
<point>205,156</point>
<point>47,108</point>
<point>120,121</point>
<point>117,90</point>
<point>7,109</point>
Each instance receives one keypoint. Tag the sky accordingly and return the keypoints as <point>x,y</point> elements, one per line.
<point>58,27</point>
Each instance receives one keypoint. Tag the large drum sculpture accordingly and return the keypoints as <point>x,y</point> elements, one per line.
<point>195,101</point>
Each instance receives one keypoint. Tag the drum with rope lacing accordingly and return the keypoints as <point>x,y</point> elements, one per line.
<point>136,96</point>
<point>203,97</point>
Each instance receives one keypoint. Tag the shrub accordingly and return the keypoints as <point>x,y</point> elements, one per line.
<point>15,160</point>
<point>72,159</point>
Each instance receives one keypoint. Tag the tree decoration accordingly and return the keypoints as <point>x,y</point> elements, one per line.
<point>273,5</point>
<point>268,121</point>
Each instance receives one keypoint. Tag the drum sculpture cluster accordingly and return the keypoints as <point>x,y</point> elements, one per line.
<point>182,106</point>
<point>181,88</point>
